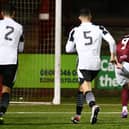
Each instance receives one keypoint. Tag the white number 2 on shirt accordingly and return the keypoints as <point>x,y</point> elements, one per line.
<point>124,43</point>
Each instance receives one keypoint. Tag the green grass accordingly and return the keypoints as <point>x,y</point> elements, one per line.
<point>21,116</point>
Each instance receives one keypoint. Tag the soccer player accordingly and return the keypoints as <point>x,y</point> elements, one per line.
<point>10,37</point>
<point>122,71</point>
<point>86,40</point>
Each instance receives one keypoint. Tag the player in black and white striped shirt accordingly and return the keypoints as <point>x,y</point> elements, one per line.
<point>86,40</point>
<point>11,33</point>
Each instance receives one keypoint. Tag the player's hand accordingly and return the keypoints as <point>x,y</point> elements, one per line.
<point>113,61</point>
<point>119,66</point>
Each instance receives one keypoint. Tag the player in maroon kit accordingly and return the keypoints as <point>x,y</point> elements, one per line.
<point>122,71</point>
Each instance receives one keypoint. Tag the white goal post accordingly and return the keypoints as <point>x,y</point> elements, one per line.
<point>57,87</point>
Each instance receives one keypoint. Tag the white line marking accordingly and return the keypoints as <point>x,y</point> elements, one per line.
<point>33,103</point>
<point>98,104</point>
<point>50,103</point>
<point>59,112</point>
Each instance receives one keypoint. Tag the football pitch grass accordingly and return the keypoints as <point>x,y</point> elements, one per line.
<point>31,116</point>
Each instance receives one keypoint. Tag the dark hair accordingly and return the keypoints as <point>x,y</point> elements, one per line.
<point>85,12</point>
<point>8,9</point>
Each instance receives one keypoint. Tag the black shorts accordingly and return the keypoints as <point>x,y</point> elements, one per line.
<point>87,75</point>
<point>7,73</point>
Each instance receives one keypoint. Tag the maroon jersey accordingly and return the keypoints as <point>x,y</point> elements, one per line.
<point>122,49</point>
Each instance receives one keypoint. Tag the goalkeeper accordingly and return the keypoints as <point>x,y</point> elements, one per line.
<point>11,40</point>
<point>86,39</point>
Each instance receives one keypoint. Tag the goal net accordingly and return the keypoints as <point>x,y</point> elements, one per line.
<point>36,73</point>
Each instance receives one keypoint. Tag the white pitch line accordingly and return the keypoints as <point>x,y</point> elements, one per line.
<point>106,104</point>
<point>33,103</point>
<point>59,112</point>
<point>49,103</point>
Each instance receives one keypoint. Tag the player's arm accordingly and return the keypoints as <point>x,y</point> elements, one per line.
<point>21,44</point>
<point>70,45</point>
<point>112,45</point>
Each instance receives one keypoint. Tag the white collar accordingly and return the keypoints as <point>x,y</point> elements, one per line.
<point>86,23</point>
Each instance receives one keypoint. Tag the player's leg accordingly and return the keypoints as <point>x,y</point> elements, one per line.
<point>79,100</point>
<point>8,78</point>
<point>85,92</point>
<point>89,95</point>
<point>124,99</point>
<point>90,99</point>
<point>125,90</point>
<point>122,80</point>
<point>79,107</point>
<point>4,101</point>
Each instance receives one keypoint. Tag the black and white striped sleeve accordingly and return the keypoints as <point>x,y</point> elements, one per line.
<point>108,38</point>
<point>21,44</point>
<point>70,45</point>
